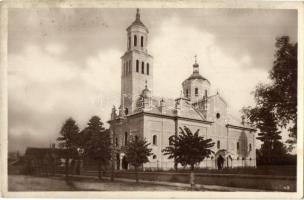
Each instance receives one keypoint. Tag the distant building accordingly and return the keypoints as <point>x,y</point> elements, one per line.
<point>48,160</point>
<point>13,156</point>
<point>143,115</point>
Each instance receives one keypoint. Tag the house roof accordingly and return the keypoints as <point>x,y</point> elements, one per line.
<point>42,152</point>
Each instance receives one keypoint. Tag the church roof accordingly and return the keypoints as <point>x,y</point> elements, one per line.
<point>196,75</point>
<point>186,111</point>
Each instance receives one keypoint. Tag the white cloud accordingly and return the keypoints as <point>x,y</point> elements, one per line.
<point>44,90</point>
<point>55,48</point>
<point>174,51</point>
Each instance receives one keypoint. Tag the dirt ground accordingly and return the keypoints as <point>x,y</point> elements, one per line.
<point>30,183</point>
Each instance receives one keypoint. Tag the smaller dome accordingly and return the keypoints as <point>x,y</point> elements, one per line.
<point>196,75</point>
<point>146,93</point>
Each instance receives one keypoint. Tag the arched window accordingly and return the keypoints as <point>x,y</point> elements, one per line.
<point>237,145</point>
<point>142,67</point>
<point>126,111</point>
<point>154,140</point>
<point>148,69</point>
<point>218,115</point>
<point>137,66</point>
<point>250,147</point>
<point>141,41</point>
<point>116,141</point>
<point>135,40</point>
<point>126,138</point>
<point>124,69</point>
<point>218,144</point>
<point>187,93</point>
<point>136,138</point>
<point>129,42</point>
<point>206,94</point>
<point>196,91</point>
<point>130,66</point>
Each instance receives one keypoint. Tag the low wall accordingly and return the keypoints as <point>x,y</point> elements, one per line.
<point>264,182</point>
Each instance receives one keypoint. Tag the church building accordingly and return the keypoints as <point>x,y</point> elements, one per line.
<point>143,115</point>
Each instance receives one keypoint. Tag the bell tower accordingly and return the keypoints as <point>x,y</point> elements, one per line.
<point>196,87</point>
<point>136,65</point>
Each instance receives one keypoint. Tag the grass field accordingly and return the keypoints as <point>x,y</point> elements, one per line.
<point>31,183</point>
<point>274,170</point>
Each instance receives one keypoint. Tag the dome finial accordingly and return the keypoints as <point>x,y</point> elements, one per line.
<point>137,14</point>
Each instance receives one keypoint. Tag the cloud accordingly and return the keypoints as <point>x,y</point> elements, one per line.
<point>44,90</point>
<point>174,51</point>
<point>55,49</point>
<point>67,62</point>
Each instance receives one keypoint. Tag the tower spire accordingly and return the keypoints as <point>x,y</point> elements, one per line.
<point>195,66</point>
<point>137,14</point>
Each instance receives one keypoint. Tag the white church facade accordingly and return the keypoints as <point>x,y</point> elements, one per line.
<point>143,115</point>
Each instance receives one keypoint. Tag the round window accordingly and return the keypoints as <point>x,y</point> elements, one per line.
<point>218,115</point>
<point>154,156</point>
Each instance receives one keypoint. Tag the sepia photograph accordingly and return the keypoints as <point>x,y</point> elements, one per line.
<point>139,98</point>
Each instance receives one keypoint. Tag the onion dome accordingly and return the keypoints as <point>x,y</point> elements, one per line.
<point>196,74</point>
<point>137,21</point>
<point>146,93</point>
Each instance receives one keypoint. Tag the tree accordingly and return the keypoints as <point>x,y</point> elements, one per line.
<point>189,149</point>
<point>68,140</point>
<point>137,153</point>
<point>276,103</point>
<point>264,118</point>
<point>285,75</point>
<point>98,146</point>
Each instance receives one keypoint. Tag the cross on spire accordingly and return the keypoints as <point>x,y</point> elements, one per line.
<point>195,65</point>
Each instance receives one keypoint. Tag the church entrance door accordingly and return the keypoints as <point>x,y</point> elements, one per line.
<point>125,163</point>
<point>220,162</point>
<point>229,161</point>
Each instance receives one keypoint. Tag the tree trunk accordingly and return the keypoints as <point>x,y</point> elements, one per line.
<point>136,174</point>
<point>192,177</point>
<point>175,165</point>
<point>67,168</point>
<point>99,170</point>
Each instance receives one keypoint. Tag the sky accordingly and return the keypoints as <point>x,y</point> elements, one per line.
<point>66,62</point>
